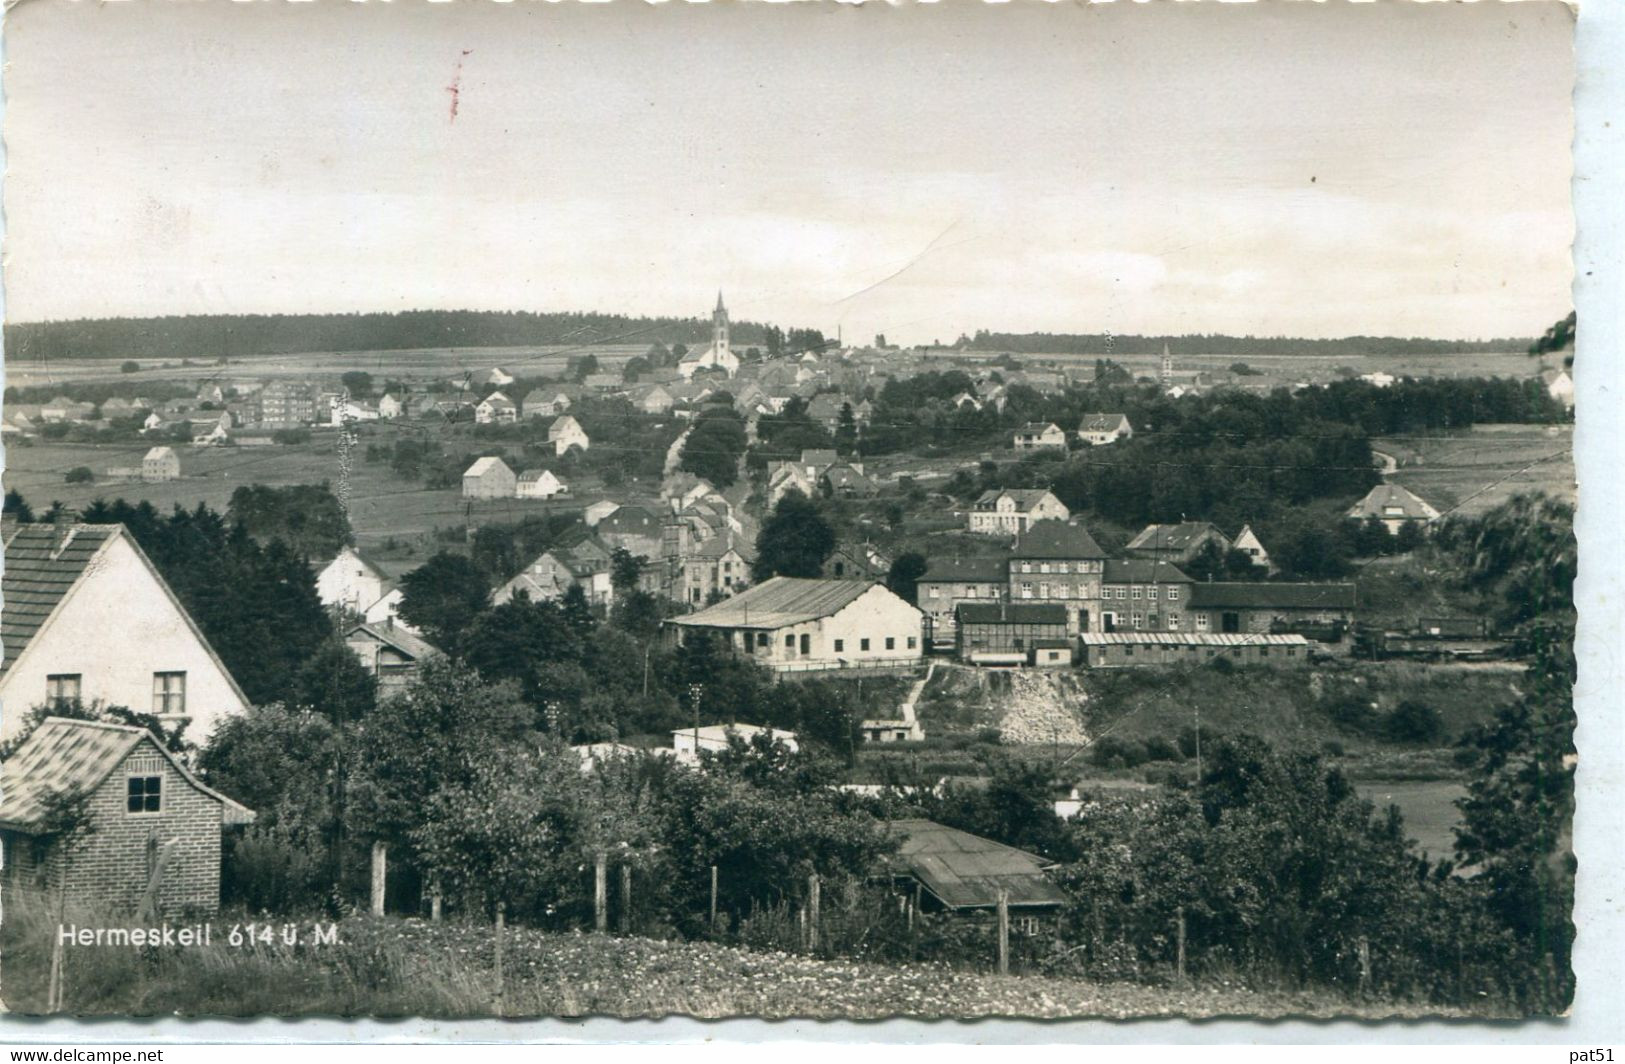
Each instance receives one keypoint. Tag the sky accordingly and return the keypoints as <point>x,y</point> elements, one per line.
<point>1274,168</point>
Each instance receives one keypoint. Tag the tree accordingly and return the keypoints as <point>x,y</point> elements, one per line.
<point>358,383</point>
<point>625,570</point>
<point>17,506</point>
<point>334,683</point>
<point>714,447</point>
<point>584,367</point>
<point>130,366</point>
<point>515,640</point>
<point>794,541</point>
<point>442,597</point>
<point>846,431</point>
<point>80,475</point>
<point>306,517</point>
<point>905,573</point>
<point>434,735</point>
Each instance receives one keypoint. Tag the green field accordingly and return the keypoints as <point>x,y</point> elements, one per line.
<point>1428,807</point>
<point>416,362</point>
<point>395,967</point>
<point>382,505</point>
<point>1472,472</point>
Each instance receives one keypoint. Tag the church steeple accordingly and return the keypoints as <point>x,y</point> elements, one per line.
<point>1167,368</point>
<point>719,326</point>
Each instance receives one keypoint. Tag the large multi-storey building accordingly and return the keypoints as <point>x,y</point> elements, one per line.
<point>1061,563</point>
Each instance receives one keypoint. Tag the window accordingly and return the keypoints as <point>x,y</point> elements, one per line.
<point>1122,592</point>
<point>1043,590</point>
<point>1151,593</point>
<point>806,643</point>
<point>931,592</point>
<point>761,639</point>
<point>61,688</point>
<point>891,643</point>
<point>168,693</point>
<point>863,644</point>
<point>1136,620</point>
<point>1151,620</point>
<point>790,642</point>
<point>1026,567</point>
<point>1135,593</point>
<point>840,645</point>
<point>1026,589</point>
<point>1173,621</point>
<point>840,568</point>
<point>1043,567</point>
<point>144,794</point>
<point>1201,622</point>
<point>970,592</point>
<point>1173,594</point>
<point>1061,569</point>
<point>913,642</point>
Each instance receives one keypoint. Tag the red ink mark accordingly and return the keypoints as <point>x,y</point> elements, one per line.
<point>456,86</point>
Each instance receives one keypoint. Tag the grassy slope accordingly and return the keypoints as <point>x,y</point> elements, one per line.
<point>396,967</point>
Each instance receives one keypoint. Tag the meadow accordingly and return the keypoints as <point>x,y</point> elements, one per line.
<point>1475,471</point>
<point>422,362</point>
<point>391,967</point>
<point>383,507</point>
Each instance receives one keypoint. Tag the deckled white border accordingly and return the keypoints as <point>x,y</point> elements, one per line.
<point>1599,953</point>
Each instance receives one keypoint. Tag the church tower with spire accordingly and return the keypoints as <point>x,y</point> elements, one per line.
<point>1167,368</point>
<point>719,326</point>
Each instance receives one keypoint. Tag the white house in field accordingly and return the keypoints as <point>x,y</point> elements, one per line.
<point>1039,436</point>
<point>1097,430</point>
<point>1010,511</point>
<point>539,484</point>
<point>160,463</point>
<point>1248,543</point>
<point>687,743</point>
<point>350,582</point>
<point>795,625</point>
<point>1394,506</point>
<point>566,433</point>
<point>495,408</point>
<point>489,478</point>
<point>391,406</point>
<point>88,617</point>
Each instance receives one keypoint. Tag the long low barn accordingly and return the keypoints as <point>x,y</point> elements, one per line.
<point>797,625</point>
<point>1118,650</point>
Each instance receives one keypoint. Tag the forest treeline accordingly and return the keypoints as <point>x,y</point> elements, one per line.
<point>214,336</point>
<point>1220,344</point>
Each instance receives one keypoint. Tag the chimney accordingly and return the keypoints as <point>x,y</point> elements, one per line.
<point>62,529</point>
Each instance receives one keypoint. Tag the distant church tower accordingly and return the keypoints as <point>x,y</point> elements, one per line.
<point>719,326</point>
<point>1167,368</point>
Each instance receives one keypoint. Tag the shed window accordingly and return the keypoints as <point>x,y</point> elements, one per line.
<point>168,693</point>
<point>61,689</point>
<point>891,643</point>
<point>912,642</point>
<point>863,644</point>
<point>145,794</point>
<point>840,645</point>
<point>790,641</point>
<point>761,639</point>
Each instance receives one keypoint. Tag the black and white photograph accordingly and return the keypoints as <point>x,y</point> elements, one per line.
<point>789,511</point>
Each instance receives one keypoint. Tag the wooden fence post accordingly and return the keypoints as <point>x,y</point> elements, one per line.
<point>380,865</point>
<point>600,892</point>
<point>1179,958</point>
<point>812,904</point>
<point>1004,932</point>
<point>434,902</point>
<point>626,899</point>
<point>502,914</point>
<point>713,899</point>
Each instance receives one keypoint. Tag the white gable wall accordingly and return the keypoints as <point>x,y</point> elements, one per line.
<point>349,582</point>
<point>116,628</point>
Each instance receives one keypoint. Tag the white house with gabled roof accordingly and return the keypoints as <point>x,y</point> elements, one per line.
<point>89,618</point>
<point>489,478</point>
<point>566,433</point>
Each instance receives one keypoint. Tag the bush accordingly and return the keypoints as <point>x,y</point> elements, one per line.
<point>1412,722</point>
<point>1353,712</point>
<point>130,366</point>
<point>1113,751</point>
<point>1158,748</point>
<point>80,475</point>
